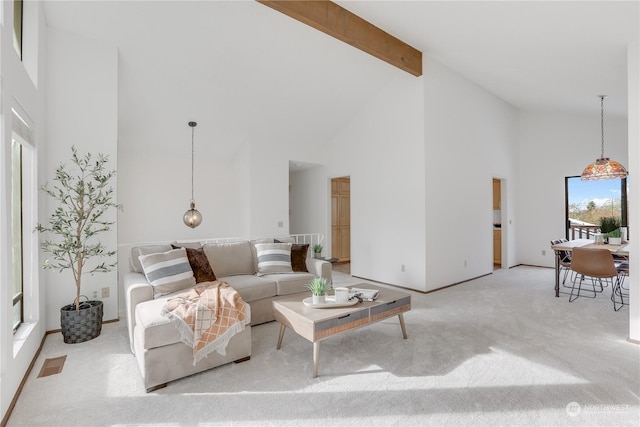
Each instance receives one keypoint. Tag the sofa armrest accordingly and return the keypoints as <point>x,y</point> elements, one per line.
<point>137,290</point>
<point>320,268</point>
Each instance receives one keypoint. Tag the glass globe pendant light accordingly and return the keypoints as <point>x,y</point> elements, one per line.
<point>192,218</point>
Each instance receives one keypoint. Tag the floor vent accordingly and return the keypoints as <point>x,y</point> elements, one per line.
<point>52,366</point>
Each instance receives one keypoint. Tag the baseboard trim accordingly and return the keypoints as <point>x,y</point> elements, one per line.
<point>632,341</point>
<point>6,417</point>
<point>56,331</point>
<point>12,405</point>
<point>423,292</point>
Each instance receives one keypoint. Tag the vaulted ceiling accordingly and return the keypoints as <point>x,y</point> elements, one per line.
<point>246,72</point>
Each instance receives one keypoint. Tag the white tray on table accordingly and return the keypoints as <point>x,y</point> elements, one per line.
<point>330,302</point>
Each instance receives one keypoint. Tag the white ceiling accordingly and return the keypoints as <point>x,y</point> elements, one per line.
<point>245,72</point>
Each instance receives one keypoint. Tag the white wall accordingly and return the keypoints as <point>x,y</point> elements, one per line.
<point>470,138</point>
<point>633,61</point>
<point>82,81</point>
<point>307,194</point>
<point>23,89</point>
<point>155,189</point>
<point>382,150</point>
<point>553,146</point>
<point>268,192</point>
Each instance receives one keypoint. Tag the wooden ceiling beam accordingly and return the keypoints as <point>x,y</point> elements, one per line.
<point>338,22</point>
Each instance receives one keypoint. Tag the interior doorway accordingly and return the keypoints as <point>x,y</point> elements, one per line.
<point>341,219</point>
<point>497,223</point>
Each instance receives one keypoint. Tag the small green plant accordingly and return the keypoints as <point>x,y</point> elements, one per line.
<point>84,197</point>
<point>317,248</point>
<point>615,233</point>
<point>318,286</point>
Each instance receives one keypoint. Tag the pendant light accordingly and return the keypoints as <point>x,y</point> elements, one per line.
<point>603,168</point>
<point>192,218</point>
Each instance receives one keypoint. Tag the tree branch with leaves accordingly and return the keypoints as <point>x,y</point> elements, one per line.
<point>84,196</point>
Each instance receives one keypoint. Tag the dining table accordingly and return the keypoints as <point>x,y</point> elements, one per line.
<point>618,250</point>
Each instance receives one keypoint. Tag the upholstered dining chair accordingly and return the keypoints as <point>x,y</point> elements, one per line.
<point>597,264</point>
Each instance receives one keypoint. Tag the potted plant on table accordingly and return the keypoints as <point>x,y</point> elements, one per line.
<point>84,196</point>
<point>608,224</point>
<point>318,287</point>
<point>615,237</point>
<point>317,251</point>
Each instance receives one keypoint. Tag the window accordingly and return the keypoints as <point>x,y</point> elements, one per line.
<point>16,232</point>
<point>589,201</point>
<point>17,26</point>
<point>22,210</point>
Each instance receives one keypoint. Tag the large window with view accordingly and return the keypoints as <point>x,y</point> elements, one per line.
<point>594,206</point>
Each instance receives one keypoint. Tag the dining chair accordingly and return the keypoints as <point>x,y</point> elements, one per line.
<point>564,259</point>
<point>599,267</point>
<point>619,290</point>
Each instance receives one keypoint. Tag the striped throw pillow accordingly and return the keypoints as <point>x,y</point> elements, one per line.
<point>168,271</point>
<point>274,258</point>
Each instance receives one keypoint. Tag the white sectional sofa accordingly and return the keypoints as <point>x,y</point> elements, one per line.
<point>156,343</point>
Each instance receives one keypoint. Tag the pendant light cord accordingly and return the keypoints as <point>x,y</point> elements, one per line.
<point>192,132</point>
<point>602,97</point>
<point>193,125</point>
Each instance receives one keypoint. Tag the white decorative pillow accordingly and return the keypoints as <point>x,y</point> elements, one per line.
<point>168,271</point>
<point>274,258</point>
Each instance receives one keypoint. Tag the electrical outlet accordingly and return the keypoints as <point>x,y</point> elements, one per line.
<point>95,294</point>
<point>402,267</point>
<point>544,252</point>
<point>280,224</point>
<point>105,292</point>
<point>465,262</point>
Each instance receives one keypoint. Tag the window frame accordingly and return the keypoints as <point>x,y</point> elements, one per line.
<point>22,135</point>
<point>18,25</point>
<point>624,205</point>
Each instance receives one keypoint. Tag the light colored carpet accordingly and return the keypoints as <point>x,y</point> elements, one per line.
<point>499,350</point>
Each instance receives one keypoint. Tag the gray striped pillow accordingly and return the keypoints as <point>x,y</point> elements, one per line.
<point>274,258</point>
<point>168,271</point>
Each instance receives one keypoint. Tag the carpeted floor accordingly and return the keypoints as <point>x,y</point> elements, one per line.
<point>499,350</point>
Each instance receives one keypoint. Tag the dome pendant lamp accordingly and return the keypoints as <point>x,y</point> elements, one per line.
<point>603,168</point>
<point>192,218</point>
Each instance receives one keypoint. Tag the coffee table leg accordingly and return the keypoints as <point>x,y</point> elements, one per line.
<point>282,328</point>
<point>404,330</point>
<point>316,356</point>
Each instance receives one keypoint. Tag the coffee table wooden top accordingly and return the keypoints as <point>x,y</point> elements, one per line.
<point>317,324</point>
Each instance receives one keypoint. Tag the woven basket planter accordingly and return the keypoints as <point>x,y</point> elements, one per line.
<point>81,325</point>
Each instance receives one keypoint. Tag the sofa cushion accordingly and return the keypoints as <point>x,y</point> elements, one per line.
<point>299,257</point>
<point>274,258</point>
<point>253,250</point>
<point>157,329</point>
<point>287,284</point>
<point>168,271</point>
<point>145,250</point>
<point>192,245</point>
<point>251,287</point>
<point>299,253</point>
<point>199,264</point>
<point>230,258</point>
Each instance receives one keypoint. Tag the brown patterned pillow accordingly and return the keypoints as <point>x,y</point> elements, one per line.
<point>199,262</point>
<point>299,257</point>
